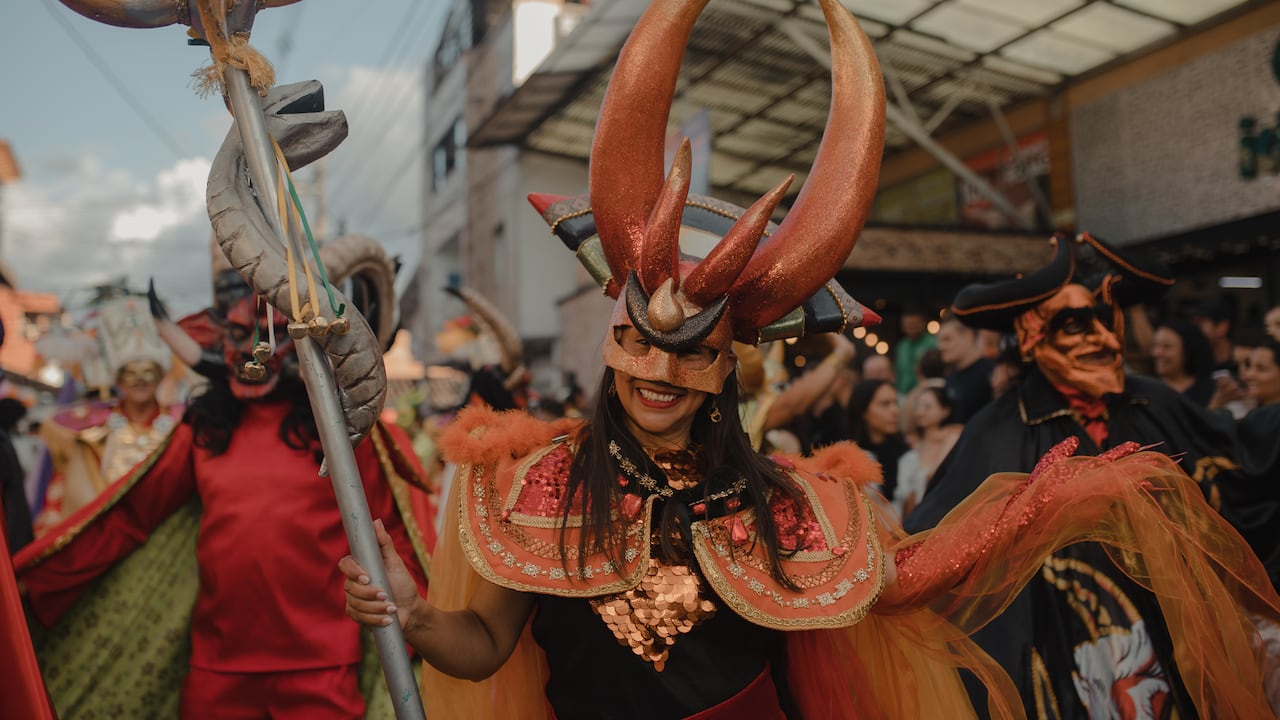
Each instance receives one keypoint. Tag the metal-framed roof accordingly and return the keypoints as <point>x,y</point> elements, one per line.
<point>946,64</point>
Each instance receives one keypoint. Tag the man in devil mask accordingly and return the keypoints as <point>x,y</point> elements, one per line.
<point>1082,640</point>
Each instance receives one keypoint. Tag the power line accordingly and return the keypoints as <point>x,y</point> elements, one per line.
<point>375,94</point>
<point>284,44</point>
<point>394,178</point>
<point>104,68</point>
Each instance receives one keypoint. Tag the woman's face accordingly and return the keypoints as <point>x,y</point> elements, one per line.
<point>882,413</point>
<point>1166,354</point>
<point>929,412</point>
<point>1262,376</point>
<point>659,414</point>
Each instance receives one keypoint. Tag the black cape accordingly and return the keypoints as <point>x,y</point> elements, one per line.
<point>1057,637</point>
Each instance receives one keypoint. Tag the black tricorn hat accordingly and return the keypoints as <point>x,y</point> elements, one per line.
<point>995,306</point>
<point>1137,281</point>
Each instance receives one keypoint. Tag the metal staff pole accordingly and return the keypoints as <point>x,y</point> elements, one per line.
<point>317,373</point>
<point>340,461</point>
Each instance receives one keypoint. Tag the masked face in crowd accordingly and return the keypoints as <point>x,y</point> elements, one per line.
<point>239,342</point>
<point>1076,341</point>
<point>138,380</point>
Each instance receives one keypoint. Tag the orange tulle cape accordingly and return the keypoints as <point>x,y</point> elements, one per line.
<point>902,660</point>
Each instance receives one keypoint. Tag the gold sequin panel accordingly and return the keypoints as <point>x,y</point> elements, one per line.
<point>671,600</point>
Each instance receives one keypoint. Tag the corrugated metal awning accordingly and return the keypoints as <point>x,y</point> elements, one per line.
<point>767,98</point>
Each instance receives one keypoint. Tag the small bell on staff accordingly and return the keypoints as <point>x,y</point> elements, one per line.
<point>254,370</point>
<point>297,330</point>
<point>340,326</point>
<point>261,352</point>
<point>319,326</point>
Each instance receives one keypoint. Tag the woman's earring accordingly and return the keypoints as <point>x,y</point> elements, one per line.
<point>613,389</point>
<point>715,413</point>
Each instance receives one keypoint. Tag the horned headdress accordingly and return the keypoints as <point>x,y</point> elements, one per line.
<point>627,232</point>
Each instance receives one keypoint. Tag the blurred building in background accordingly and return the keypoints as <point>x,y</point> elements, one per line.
<point>1147,122</point>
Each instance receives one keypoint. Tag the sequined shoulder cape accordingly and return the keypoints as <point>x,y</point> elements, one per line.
<point>514,470</point>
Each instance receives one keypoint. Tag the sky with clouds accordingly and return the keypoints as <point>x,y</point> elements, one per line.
<point>114,144</point>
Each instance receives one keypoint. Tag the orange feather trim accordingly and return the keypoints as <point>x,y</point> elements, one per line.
<point>843,459</point>
<point>483,436</point>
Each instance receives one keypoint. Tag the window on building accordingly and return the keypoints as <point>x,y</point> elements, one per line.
<point>447,154</point>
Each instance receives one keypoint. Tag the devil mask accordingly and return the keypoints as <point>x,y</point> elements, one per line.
<point>1076,338</point>
<point>243,317</point>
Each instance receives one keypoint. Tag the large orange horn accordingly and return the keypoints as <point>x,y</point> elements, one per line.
<point>716,273</point>
<point>627,153</point>
<point>660,253</point>
<point>823,225</point>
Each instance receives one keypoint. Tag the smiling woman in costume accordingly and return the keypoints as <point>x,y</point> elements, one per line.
<point>649,564</point>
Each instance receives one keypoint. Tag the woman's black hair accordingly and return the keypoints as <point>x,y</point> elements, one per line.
<point>859,401</point>
<point>1197,354</point>
<point>726,454</point>
<point>215,414</point>
<point>940,396</point>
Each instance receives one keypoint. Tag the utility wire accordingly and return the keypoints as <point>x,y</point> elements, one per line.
<point>103,67</point>
<point>284,44</point>
<point>385,194</point>
<point>376,95</point>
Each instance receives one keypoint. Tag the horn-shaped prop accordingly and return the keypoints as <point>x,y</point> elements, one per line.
<point>627,153</point>
<point>509,343</point>
<point>717,272</point>
<point>364,261</point>
<point>633,210</point>
<point>660,254</point>
<point>822,226</point>
<point>255,252</point>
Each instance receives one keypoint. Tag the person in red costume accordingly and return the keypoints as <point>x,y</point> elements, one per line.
<point>650,564</point>
<point>227,534</point>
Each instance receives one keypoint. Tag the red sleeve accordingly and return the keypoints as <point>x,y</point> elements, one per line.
<point>58,566</point>
<point>382,505</point>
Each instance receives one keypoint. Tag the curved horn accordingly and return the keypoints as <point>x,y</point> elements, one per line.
<point>361,257</point>
<point>716,273</point>
<point>253,250</point>
<point>660,253</point>
<point>823,225</point>
<point>508,339</point>
<point>626,155</point>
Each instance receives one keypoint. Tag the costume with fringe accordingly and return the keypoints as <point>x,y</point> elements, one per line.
<point>856,643</point>
<point>131,590</point>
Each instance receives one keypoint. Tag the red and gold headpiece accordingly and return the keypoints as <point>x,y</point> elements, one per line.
<point>628,231</point>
